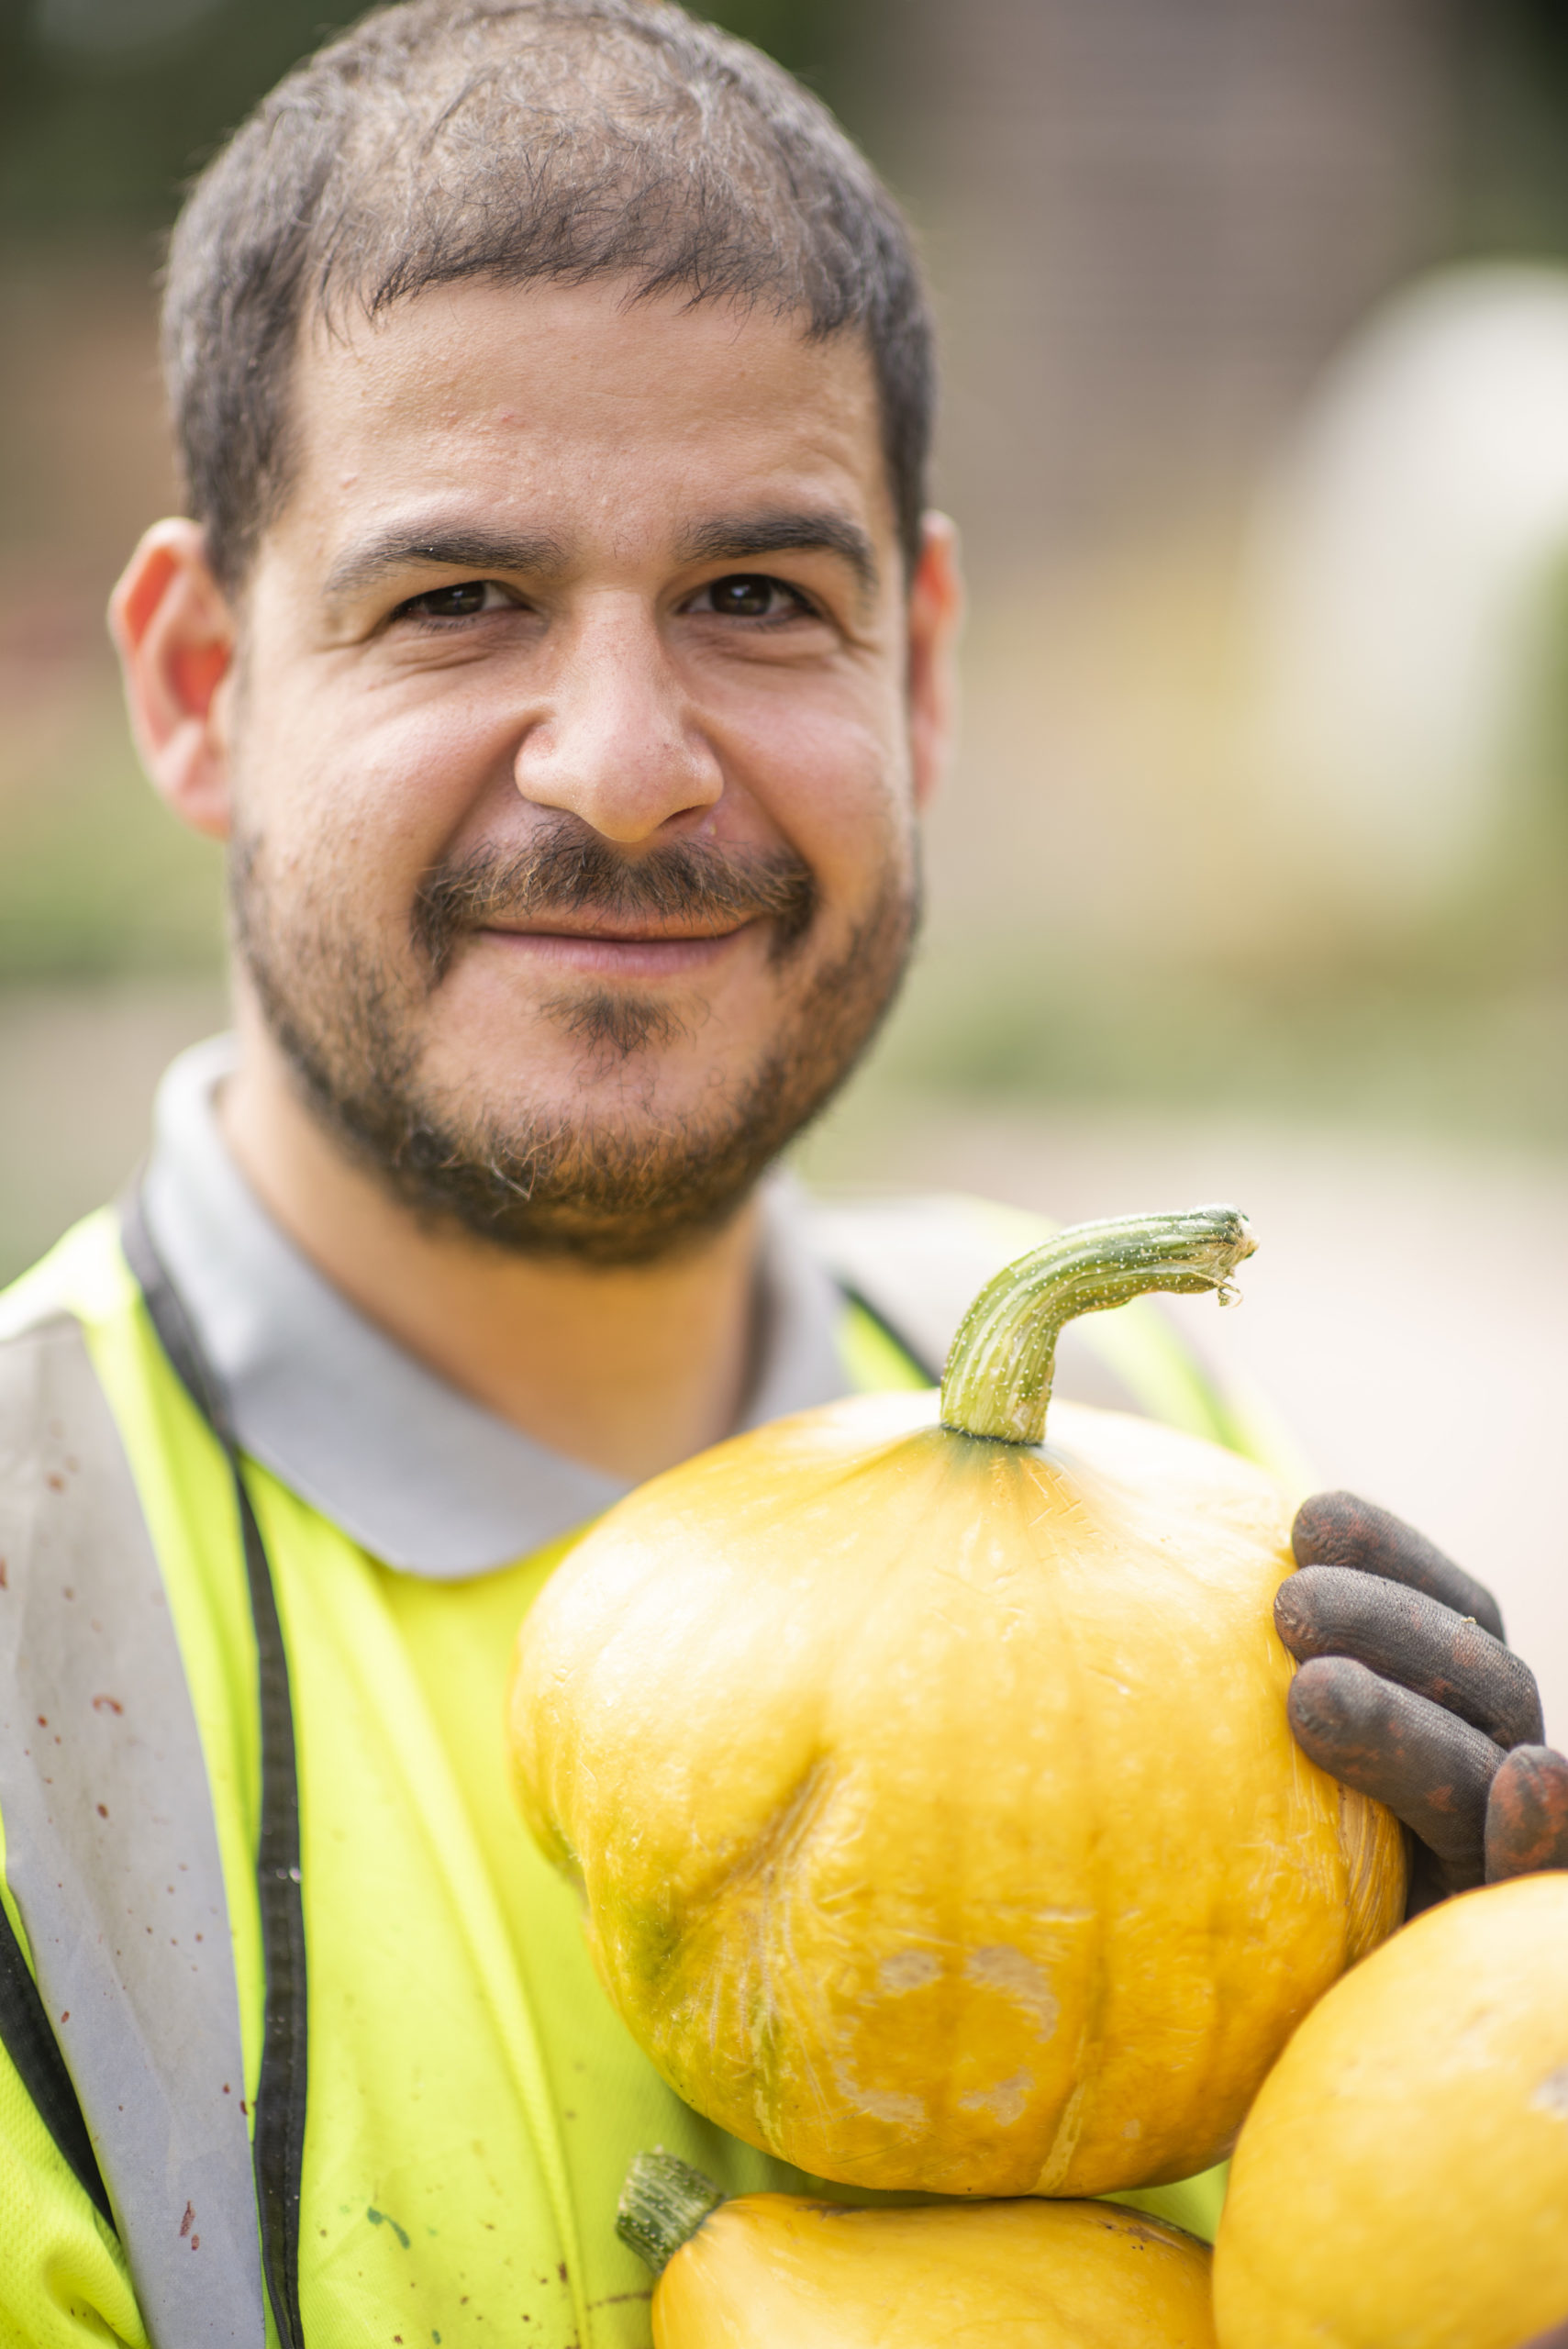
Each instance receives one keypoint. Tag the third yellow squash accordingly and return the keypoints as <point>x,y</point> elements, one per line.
<point>779,2271</point>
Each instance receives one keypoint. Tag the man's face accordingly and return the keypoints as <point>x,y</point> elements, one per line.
<point>572,792</point>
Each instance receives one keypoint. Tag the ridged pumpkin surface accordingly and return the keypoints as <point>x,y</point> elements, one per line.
<point>1402,2182</point>
<point>774,2272</point>
<point>933,1798</point>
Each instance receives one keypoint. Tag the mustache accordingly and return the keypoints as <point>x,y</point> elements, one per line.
<point>568,869</point>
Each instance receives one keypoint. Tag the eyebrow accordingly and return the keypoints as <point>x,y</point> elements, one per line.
<point>739,538</point>
<point>372,559</point>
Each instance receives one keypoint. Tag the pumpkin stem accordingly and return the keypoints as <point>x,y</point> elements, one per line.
<point>663,2204</point>
<point>998,1374</point>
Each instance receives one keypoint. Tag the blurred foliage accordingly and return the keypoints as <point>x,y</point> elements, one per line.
<point>107,107</point>
<point>96,879</point>
<point>1408,1048</point>
<point>1511,185</point>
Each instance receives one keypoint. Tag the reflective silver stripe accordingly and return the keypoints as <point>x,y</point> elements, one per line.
<point>111,1851</point>
<point>920,1263</point>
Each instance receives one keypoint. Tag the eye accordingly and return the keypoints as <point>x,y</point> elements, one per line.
<point>464,600</point>
<point>751,595</point>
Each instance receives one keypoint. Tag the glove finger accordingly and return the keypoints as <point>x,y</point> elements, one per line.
<point>1404,1635</point>
<point>1340,1529</point>
<point>1527,1814</point>
<point>1433,1771</point>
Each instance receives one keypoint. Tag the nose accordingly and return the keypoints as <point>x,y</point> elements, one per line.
<point>616,742</point>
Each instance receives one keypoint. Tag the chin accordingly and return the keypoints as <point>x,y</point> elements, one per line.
<point>619,1067</point>
<point>605,1121</point>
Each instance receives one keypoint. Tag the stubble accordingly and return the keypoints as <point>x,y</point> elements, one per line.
<point>613,1180</point>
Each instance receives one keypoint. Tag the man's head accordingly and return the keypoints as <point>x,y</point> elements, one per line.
<point>555,638</point>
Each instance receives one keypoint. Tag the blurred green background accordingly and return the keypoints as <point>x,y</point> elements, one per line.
<point>1253,875</point>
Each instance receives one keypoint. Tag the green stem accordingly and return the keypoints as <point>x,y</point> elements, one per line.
<point>663,2204</point>
<point>997,1380</point>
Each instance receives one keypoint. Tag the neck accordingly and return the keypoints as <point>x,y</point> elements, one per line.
<point>627,1369</point>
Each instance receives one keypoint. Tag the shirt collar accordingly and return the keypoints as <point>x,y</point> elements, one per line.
<point>419,1476</point>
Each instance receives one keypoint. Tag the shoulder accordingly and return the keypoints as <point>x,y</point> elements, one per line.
<point>84,1277</point>
<point>918,1260</point>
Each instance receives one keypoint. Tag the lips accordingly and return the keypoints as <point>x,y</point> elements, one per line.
<point>604,953</point>
<point>602,933</point>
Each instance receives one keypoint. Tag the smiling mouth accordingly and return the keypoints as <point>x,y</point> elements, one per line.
<point>570,899</point>
<point>611,951</point>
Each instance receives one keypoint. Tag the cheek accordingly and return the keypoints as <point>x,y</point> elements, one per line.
<point>835,782</point>
<point>376,784</point>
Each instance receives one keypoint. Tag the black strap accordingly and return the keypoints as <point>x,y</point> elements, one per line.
<point>916,1355</point>
<point>34,2050</point>
<point>278,2139</point>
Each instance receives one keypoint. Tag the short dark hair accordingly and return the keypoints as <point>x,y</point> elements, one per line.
<point>518,140</point>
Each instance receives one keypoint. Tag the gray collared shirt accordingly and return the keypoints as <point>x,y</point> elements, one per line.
<point>426,1480</point>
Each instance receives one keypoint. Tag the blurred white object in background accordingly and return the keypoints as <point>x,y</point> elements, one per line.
<point>1404,543</point>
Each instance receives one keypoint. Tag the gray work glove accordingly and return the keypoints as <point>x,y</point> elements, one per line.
<point>1407,1692</point>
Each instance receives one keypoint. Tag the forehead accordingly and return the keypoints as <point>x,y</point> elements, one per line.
<point>620,415</point>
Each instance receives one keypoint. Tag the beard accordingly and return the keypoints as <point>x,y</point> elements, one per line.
<point>619,1187</point>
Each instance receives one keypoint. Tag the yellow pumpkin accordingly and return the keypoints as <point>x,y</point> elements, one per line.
<point>775,2271</point>
<point>1402,2181</point>
<point>928,1779</point>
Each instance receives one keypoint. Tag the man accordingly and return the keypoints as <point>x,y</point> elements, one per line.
<point>559,641</point>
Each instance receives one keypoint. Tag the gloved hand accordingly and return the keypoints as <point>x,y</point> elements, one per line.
<point>1407,1692</point>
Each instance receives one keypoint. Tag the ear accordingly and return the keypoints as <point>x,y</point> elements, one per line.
<point>936,617</point>
<point>175,631</point>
